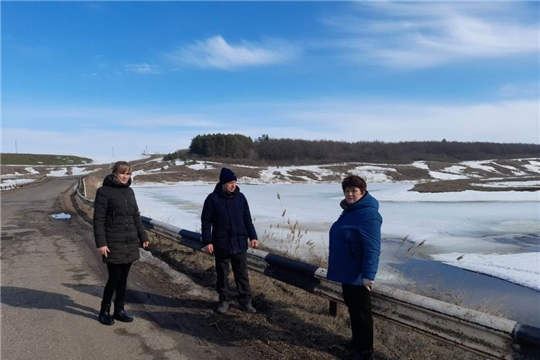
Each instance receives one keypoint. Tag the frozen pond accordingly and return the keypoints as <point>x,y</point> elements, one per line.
<point>493,233</point>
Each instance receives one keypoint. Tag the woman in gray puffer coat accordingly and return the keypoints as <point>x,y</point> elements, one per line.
<point>118,232</point>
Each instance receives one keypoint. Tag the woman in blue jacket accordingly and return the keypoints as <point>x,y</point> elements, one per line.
<point>355,246</point>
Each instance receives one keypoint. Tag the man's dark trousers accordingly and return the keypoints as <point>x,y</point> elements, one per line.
<point>240,271</point>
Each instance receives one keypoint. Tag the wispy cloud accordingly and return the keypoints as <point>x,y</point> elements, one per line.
<point>530,90</point>
<point>94,6</point>
<point>92,131</point>
<point>94,143</point>
<point>420,121</point>
<point>425,34</point>
<point>216,52</point>
<point>142,68</point>
<point>174,121</point>
<point>87,116</point>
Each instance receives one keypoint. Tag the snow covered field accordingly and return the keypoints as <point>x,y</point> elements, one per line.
<point>484,230</point>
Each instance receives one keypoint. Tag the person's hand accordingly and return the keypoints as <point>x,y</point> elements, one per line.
<point>104,250</point>
<point>368,283</point>
<point>145,244</point>
<point>254,243</point>
<point>208,249</point>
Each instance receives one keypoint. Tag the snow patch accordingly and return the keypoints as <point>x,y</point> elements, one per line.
<point>521,268</point>
<point>31,170</point>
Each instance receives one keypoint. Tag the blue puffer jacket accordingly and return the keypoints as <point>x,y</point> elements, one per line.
<point>355,243</point>
<point>226,222</point>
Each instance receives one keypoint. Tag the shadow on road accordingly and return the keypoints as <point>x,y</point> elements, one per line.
<point>44,300</point>
<point>141,297</point>
<point>196,317</point>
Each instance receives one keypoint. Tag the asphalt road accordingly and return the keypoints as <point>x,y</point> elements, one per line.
<point>52,281</point>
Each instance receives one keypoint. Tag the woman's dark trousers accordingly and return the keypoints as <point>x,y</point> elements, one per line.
<point>118,274</point>
<point>358,301</point>
<point>241,279</point>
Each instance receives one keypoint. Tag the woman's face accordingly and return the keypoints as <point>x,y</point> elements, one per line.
<point>123,178</point>
<point>352,194</point>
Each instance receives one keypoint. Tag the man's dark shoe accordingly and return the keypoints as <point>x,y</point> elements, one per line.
<point>248,308</point>
<point>223,307</point>
<point>105,316</point>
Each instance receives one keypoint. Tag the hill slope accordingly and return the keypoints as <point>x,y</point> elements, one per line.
<point>42,159</point>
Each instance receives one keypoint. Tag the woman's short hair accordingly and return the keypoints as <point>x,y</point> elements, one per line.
<point>121,167</point>
<point>354,181</point>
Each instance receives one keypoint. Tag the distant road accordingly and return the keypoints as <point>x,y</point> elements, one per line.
<point>52,282</point>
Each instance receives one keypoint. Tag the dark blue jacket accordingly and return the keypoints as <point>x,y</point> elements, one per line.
<point>226,222</point>
<point>355,243</point>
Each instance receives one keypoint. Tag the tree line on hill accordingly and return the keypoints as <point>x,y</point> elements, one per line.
<point>297,152</point>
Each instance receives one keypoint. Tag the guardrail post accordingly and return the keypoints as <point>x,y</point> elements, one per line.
<point>333,308</point>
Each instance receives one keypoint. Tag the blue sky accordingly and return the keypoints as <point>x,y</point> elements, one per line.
<point>81,77</point>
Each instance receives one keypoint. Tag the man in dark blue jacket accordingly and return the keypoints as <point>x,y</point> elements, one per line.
<point>226,228</point>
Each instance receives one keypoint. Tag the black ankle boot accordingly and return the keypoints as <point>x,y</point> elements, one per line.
<point>120,314</point>
<point>105,315</point>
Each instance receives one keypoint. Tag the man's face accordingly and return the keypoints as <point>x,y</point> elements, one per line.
<point>230,186</point>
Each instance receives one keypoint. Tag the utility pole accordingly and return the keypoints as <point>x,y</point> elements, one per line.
<point>15,146</point>
<point>113,152</point>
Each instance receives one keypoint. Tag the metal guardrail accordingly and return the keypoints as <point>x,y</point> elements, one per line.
<point>474,331</point>
<point>80,189</point>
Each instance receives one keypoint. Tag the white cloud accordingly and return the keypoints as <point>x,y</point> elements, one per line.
<point>142,68</point>
<point>419,35</point>
<point>216,52</point>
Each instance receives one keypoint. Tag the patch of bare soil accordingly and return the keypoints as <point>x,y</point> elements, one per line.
<point>340,168</point>
<point>303,173</point>
<point>475,184</point>
<point>21,170</point>
<point>408,173</point>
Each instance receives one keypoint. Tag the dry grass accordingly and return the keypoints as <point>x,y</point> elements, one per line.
<point>407,172</point>
<point>468,184</point>
<point>303,173</point>
<point>302,326</point>
<point>42,159</point>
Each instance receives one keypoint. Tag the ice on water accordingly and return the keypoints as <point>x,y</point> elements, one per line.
<point>484,226</point>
